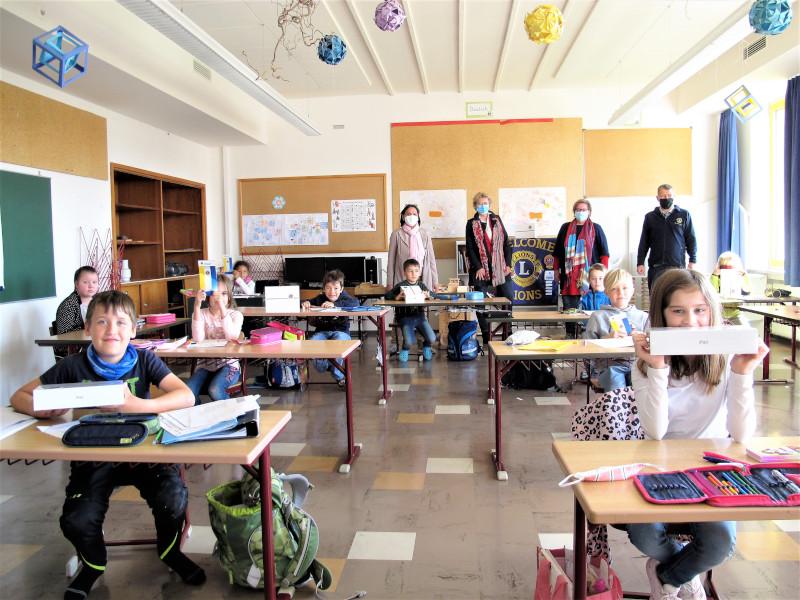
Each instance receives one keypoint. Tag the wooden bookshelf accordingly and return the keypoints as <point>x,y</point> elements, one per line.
<point>162,219</point>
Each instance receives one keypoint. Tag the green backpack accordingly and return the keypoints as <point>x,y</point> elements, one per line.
<point>235,512</point>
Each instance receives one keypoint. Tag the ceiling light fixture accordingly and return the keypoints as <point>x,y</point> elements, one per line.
<point>170,22</point>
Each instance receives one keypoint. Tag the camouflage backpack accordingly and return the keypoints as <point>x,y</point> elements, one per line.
<point>235,512</point>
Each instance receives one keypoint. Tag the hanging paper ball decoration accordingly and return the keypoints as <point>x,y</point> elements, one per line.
<point>389,15</point>
<point>331,49</point>
<point>544,24</point>
<point>770,17</point>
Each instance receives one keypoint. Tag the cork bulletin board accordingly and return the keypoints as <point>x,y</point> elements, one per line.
<point>485,156</point>
<point>313,195</point>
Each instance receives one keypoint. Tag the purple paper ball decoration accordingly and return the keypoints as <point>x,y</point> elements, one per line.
<point>770,17</point>
<point>389,15</point>
<point>331,49</point>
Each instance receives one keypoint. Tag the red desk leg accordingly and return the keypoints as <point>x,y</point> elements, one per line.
<point>353,449</point>
<point>268,544</point>
<point>767,328</point>
<point>793,361</point>
<point>579,589</point>
<point>490,387</point>
<point>381,324</point>
<point>497,453</point>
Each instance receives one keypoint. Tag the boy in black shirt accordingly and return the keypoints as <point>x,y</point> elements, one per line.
<point>331,328</point>
<point>111,322</point>
<point>412,318</point>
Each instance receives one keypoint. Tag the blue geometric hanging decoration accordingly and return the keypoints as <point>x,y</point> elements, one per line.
<point>60,56</point>
<point>331,49</point>
<point>770,17</point>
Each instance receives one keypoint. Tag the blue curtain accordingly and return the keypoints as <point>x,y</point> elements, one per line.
<point>729,233</point>
<point>791,183</point>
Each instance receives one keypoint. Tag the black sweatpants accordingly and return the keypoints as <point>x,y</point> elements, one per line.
<point>89,489</point>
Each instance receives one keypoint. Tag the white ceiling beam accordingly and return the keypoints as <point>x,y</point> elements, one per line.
<point>462,9</point>
<point>574,43</point>
<point>415,43</point>
<point>372,51</point>
<point>512,17</point>
<point>340,33</point>
<point>729,32</point>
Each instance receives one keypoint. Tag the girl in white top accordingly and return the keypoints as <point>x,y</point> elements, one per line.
<point>684,397</point>
<point>217,322</point>
<point>243,282</point>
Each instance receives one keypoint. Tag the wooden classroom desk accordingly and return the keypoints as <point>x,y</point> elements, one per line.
<point>79,337</point>
<point>460,302</point>
<point>377,317</point>
<point>789,315</point>
<point>744,300</point>
<point>30,444</point>
<point>620,502</point>
<point>535,317</point>
<point>330,350</point>
<point>502,357</point>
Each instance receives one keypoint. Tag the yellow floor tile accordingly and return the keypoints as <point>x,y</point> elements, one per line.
<point>336,566</point>
<point>399,481</point>
<point>127,493</point>
<point>767,545</point>
<point>313,463</point>
<point>13,555</point>
<point>415,417</point>
<point>424,381</point>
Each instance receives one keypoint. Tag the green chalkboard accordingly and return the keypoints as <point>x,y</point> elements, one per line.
<point>27,222</point>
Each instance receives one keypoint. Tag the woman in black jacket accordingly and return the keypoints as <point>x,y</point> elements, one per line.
<point>488,254</point>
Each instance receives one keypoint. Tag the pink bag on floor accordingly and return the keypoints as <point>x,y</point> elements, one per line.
<point>554,583</point>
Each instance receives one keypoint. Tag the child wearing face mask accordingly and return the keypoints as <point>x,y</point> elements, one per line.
<point>688,397</point>
<point>580,243</point>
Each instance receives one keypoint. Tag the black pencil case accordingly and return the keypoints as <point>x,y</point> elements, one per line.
<point>105,434</point>
<point>150,420</point>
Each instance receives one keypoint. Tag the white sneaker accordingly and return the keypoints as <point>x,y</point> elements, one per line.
<point>692,590</point>
<point>658,590</point>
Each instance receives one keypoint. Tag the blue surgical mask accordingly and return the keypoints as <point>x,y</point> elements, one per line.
<point>581,215</point>
<point>483,209</point>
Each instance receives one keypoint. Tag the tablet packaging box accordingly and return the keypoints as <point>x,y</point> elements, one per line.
<point>207,274</point>
<point>78,395</point>
<point>282,298</point>
<point>685,341</point>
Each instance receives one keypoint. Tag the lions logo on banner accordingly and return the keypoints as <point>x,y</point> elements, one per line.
<point>534,281</point>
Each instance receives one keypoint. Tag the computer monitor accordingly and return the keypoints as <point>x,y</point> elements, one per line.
<point>305,272</point>
<point>351,266</point>
<point>262,283</point>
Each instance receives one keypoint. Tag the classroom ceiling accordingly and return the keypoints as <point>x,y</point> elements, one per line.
<point>462,45</point>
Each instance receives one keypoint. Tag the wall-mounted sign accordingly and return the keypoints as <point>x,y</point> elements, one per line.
<point>479,110</point>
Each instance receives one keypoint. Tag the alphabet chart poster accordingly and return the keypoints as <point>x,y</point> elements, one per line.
<point>353,215</point>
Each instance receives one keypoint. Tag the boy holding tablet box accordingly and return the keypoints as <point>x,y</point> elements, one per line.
<point>111,323</point>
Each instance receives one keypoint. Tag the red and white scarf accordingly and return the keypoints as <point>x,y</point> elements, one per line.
<point>416,249</point>
<point>578,258</point>
<point>493,246</point>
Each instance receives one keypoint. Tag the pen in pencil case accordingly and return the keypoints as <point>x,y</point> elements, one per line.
<point>721,459</point>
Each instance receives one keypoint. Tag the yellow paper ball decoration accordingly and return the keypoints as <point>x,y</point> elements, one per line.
<point>544,24</point>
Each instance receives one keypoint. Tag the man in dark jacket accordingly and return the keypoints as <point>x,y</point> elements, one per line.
<point>668,235</point>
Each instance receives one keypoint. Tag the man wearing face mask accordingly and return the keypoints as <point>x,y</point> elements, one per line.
<point>580,243</point>
<point>668,235</point>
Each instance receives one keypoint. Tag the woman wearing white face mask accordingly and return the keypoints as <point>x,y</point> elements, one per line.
<point>411,241</point>
<point>580,243</point>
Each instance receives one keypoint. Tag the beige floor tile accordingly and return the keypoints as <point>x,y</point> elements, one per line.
<point>201,541</point>
<point>301,464</point>
<point>286,448</point>
<point>13,555</point>
<point>789,526</point>
<point>382,545</point>
<point>5,498</point>
<point>415,417</point>
<point>766,546</point>
<point>127,493</point>
<point>450,465</point>
<point>452,409</point>
<point>335,566</point>
<point>424,381</point>
<point>399,481</point>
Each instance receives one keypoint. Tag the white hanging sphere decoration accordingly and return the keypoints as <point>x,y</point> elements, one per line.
<point>389,15</point>
<point>331,49</point>
<point>770,17</point>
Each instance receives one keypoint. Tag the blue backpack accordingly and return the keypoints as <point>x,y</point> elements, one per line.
<point>462,342</point>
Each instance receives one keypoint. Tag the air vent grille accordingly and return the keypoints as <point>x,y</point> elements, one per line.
<point>755,47</point>
<point>201,69</point>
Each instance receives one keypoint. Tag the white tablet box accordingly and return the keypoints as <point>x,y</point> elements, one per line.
<point>282,298</point>
<point>413,293</point>
<point>692,341</point>
<point>78,395</point>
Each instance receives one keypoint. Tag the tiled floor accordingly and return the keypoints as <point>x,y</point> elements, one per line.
<point>420,516</point>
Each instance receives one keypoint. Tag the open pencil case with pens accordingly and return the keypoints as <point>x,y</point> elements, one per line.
<point>772,484</point>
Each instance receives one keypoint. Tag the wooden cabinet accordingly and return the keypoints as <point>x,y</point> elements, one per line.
<point>132,289</point>
<point>158,220</point>
<point>153,296</point>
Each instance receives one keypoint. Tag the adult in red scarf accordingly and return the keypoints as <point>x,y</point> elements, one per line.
<point>411,241</point>
<point>488,254</point>
<point>580,243</point>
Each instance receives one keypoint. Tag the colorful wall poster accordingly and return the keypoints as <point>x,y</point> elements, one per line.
<point>536,211</point>
<point>309,229</point>
<point>442,213</point>
<point>353,215</point>
<point>262,230</point>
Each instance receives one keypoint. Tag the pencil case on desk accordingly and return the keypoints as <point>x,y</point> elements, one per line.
<point>105,434</point>
<point>722,485</point>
